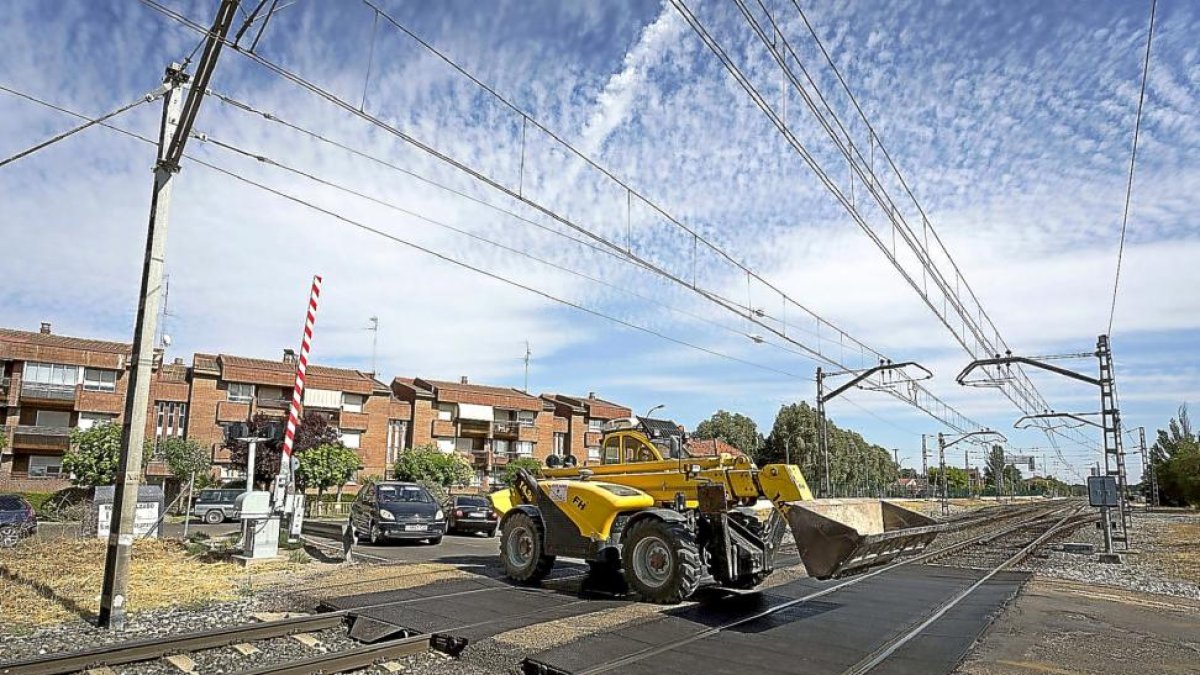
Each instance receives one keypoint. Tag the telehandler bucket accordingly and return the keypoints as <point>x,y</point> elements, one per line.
<point>838,536</point>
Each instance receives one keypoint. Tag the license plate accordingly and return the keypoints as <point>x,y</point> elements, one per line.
<point>414,528</point>
<point>478,514</point>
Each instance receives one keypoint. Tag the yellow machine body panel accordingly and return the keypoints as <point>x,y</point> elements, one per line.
<point>784,483</point>
<point>593,506</point>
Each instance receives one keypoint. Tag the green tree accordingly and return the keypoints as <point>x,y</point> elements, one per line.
<point>509,475</point>
<point>313,431</point>
<point>996,466</point>
<point>185,458</point>
<point>327,466</point>
<point>1175,457</point>
<point>734,428</point>
<point>956,480</point>
<point>427,463</point>
<point>855,465</point>
<point>95,454</point>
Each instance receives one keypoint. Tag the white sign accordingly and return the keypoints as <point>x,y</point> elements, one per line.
<point>558,493</point>
<point>144,519</point>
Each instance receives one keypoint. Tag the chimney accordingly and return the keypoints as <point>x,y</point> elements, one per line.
<point>592,395</point>
<point>45,328</point>
<point>464,379</point>
<point>289,356</point>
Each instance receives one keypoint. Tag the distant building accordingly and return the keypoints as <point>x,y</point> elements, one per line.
<point>585,419</point>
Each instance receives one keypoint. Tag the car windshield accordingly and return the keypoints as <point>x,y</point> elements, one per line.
<point>402,493</point>
<point>471,501</point>
<point>10,503</point>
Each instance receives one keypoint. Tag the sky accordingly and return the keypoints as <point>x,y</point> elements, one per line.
<point>1011,123</point>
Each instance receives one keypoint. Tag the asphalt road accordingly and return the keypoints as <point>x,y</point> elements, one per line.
<point>455,549</point>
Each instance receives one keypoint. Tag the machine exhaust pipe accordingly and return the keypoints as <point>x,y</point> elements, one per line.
<point>835,537</point>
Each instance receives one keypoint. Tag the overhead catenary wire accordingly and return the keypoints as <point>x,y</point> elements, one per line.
<point>1026,391</point>
<point>423,249</point>
<point>148,97</point>
<point>493,183</point>
<point>1137,127</point>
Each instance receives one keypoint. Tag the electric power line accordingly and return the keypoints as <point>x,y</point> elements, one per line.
<point>157,93</point>
<point>1137,127</point>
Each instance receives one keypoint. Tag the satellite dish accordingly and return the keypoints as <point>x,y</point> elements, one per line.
<point>166,340</point>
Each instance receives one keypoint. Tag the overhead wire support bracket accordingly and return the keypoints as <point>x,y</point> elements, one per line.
<point>1078,417</point>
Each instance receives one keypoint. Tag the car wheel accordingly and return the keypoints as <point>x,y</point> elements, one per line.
<point>214,517</point>
<point>435,541</point>
<point>376,534</point>
<point>9,536</point>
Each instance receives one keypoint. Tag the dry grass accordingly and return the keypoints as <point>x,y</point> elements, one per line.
<point>44,582</point>
<point>1178,553</point>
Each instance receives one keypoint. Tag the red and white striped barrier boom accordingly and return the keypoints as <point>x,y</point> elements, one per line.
<point>298,390</point>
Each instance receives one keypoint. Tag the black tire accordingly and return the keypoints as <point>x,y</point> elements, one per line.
<point>661,561</point>
<point>376,535</point>
<point>435,541</point>
<point>749,581</point>
<point>214,516</point>
<point>491,533</point>
<point>522,549</point>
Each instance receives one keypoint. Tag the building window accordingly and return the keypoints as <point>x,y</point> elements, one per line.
<point>240,392</point>
<point>87,420</point>
<point>95,379</point>
<point>524,448</point>
<point>595,424</point>
<point>351,439</point>
<point>52,418</point>
<point>477,478</point>
<point>445,411</point>
<point>464,444</point>
<point>51,373</point>
<point>397,438</point>
<point>593,454</point>
<point>171,420</point>
<point>525,417</point>
<point>500,447</point>
<point>45,465</point>
<point>560,444</point>
<point>352,402</point>
<point>445,445</point>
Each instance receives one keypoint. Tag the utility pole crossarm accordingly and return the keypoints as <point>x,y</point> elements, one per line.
<point>1079,417</point>
<point>863,375</point>
<point>1005,360</point>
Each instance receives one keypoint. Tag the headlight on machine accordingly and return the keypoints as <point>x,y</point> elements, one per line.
<point>439,515</point>
<point>386,515</point>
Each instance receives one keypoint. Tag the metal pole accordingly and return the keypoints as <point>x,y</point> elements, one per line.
<point>187,514</point>
<point>967,464</point>
<point>250,464</point>
<point>942,471</point>
<point>822,435</point>
<point>133,431</point>
<point>925,464</point>
<point>1150,464</point>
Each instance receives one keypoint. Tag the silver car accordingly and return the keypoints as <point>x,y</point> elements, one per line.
<point>215,506</point>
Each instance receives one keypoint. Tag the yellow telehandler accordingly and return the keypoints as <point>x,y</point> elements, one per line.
<point>668,523</point>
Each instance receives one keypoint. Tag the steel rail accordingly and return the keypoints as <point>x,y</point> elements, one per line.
<point>708,632</point>
<point>877,657</point>
<point>153,648</point>
<point>349,659</point>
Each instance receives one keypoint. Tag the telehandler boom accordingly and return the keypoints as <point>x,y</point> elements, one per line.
<point>669,524</point>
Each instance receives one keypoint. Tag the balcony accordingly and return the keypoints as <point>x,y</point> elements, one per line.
<point>273,402</point>
<point>474,428</point>
<point>506,429</point>
<point>443,429</point>
<point>527,433</point>
<point>36,391</point>
<point>109,402</point>
<point>232,411</point>
<point>5,383</point>
<point>34,437</point>
<point>352,420</point>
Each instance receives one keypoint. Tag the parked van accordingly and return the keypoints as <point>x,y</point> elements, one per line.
<point>215,506</point>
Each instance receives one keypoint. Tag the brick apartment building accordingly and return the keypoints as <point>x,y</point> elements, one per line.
<point>51,384</point>
<point>585,418</point>
<point>227,389</point>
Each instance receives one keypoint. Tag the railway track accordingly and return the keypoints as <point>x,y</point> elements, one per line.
<point>443,639</point>
<point>1053,517</point>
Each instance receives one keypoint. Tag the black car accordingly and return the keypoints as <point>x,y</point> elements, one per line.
<point>467,513</point>
<point>396,510</point>
<point>17,520</point>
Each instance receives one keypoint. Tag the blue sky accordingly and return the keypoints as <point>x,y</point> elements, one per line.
<point>1012,122</point>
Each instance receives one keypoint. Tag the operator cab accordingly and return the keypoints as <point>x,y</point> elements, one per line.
<point>625,441</point>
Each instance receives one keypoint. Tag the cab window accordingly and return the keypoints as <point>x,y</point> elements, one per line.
<point>612,450</point>
<point>637,451</point>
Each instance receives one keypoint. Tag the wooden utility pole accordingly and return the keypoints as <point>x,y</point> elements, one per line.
<point>178,117</point>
